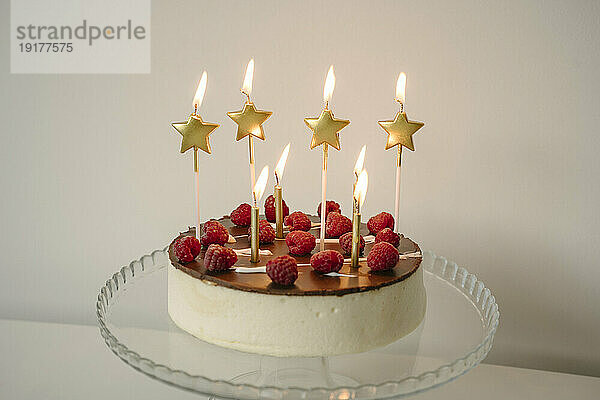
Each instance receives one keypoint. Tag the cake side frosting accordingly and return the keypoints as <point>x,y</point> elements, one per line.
<point>300,326</point>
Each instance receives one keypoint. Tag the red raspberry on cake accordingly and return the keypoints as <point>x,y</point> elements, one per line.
<point>298,221</point>
<point>327,261</point>
<point>219,258</point>
<point>270,209</point>
<point>387,235</point>
<point>266,233</point>
<point>337,224</point>
<point>300,243</point>
<point>187,248</point>
<point>383,256</point>
<point>241,215</point>
<point>283,270</point>
<point>346,243</point>
<point>380,221</point>
<point>214,233</point>
<point>331,206</point>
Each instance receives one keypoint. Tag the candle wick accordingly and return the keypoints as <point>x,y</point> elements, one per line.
<point>276,179</point>
<point>327,105</point>
<point>247,96</point>
<point>195,109</point>
<point>401,106</point>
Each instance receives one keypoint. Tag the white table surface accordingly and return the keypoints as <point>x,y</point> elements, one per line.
<point>59,361</point>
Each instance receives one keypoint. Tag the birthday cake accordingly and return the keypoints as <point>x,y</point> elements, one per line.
<point>329,308</point>
<point>327,285</point>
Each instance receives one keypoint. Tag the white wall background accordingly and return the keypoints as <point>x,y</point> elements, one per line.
<point>504,180</point>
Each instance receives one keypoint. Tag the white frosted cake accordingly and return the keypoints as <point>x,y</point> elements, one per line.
<point>351,310</point>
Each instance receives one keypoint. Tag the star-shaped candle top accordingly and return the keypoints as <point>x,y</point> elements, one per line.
<point>325,129</point>
<point>400,130</point>
<point>249,121</point>
<point>195,132</point>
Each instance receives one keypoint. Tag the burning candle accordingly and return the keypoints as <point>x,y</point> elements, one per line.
<point>360,192</point>
<point>249,120</point>
<point>358,167</point>
<point>257,192</point>
<point>278,192</point>
<point>195,133</point>
<point>400,131</point>
<point>325,131</point>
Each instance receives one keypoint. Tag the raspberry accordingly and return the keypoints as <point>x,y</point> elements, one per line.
<point>337,225</point>
<point>282,270</point>
<point>270,209</point>
<point>219,258</point>
<point>266,233</point>
<point>214,232</point>
<point>387,235</point>
<point>300,243</point>
<point>379,222</point>
<point>327,261</point>
<point>186,248</point>
<point>298,221</point>
<point>346,243</point>
<point>331,206</point>
<point>383,256</point>
<point>241,215</point>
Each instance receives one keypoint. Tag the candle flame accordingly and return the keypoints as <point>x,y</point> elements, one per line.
<point>360,191</point>
<point>401,88</point>
<point>261,183</point>
<point>281,163</point>
<point>360,161</point>
<point>247,86</point>
<point>199,96</point>
<point>329,85</point>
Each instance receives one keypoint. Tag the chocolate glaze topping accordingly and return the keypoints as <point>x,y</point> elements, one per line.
<point>309,283</point>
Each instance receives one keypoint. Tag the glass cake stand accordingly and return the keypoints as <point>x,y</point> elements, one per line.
<point>455,336</point>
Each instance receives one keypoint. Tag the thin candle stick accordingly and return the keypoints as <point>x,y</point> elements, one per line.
<point>252,169</point>
<point>323,197</point>
<point>278,211</point>
<point>398,175</point>
<point>355,238</point>
<point>197,186</point>
<point>254,235</point>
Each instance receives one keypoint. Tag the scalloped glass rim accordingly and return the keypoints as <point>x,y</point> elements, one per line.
<point>466,283</point>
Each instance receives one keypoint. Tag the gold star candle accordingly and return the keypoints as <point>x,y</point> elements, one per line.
<point>195,133</point>
<point>400,131</point>
<point>325,130</point>
<point>249,120</point>
<point>278,192</point>
<point>360,192</point>
<point>257,192</point>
